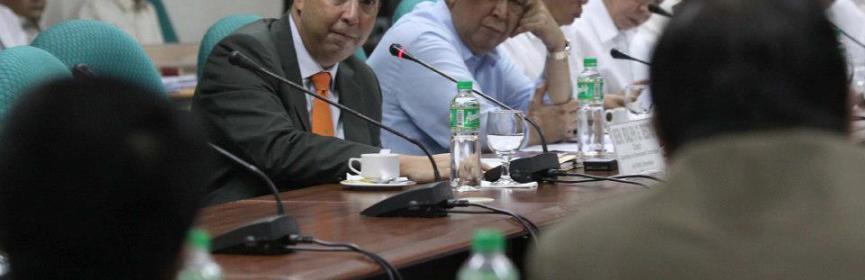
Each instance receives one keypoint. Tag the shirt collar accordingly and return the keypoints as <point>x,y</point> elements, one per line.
<point>306,63</point>
<point>442,11</point>
<point>602,21</point>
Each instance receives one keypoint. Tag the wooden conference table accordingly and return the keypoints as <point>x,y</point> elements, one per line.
<point>423,248</point>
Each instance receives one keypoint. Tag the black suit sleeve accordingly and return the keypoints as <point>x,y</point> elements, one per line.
<point>247,113</point>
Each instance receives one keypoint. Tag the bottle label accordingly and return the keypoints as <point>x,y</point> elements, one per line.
<point>585,90</point>
<point>467,118</point>
<point>599,91</point>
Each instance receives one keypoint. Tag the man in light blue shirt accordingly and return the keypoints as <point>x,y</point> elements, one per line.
<point>460,37</point>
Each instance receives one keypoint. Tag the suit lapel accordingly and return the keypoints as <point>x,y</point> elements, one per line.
<point>285,48</point>
<point>350,94</point>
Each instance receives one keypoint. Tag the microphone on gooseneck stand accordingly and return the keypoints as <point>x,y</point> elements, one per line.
<point>845,34</point>
<point>523,170</point>
<point>267,236</point>
<point>655,9</point>
<point>425,201</point>
<point>82,71</point>
<point>620,55</point>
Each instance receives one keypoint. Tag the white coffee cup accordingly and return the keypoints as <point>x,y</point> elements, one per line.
<point>379,167</point>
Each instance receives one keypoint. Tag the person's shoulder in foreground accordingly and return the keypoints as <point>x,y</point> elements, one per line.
<point>763,181</point>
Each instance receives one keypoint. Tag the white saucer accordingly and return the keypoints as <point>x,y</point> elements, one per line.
<point>359,183</point>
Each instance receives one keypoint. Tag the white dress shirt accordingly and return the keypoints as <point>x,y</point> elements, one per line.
<point>141,23</point>
<point>11,30</point>
<point>309,67</point>
<point>643,44</point>
<point>847,16</point>
<point>596,35</point>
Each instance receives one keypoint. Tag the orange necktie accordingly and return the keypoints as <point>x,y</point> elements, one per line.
<point>322,122</point>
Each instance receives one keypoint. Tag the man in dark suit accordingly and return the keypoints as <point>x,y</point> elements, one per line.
<point>296,140</point>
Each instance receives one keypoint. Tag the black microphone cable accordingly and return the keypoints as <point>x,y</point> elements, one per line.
<point>530,227</point>
<point>592,178</point>
<point>391,271</point>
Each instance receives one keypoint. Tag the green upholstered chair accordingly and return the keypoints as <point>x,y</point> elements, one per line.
<point>106,50</point>
<point>219,31</point>
<point>24,67</point>
<point>404,7</point>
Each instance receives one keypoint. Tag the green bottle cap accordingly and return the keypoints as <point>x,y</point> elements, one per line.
<point>590,62</point>
<point>199,239</point>
<point>488,241</point>
<point>464,85</point>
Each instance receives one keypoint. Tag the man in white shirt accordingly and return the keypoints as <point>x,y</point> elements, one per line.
<point>850,20</point>
<point>136,17</point>
<point>29,13</point>
<point>11,32</point>
<point>608,24</point>
<point>647,36</point>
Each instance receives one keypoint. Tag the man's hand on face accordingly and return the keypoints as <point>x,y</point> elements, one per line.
<point>557,122</point>
<point>538,20</point>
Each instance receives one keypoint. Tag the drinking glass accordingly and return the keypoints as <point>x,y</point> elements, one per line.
<point>505,134</point>
<point>638,100</point>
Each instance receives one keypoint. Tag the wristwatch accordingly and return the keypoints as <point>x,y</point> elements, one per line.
<point>560,55</point>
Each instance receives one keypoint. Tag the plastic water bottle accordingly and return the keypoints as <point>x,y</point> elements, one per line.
<point>590,117</point>
<point>465,122</point>
<point>488,261</point>
<point>199,264</point>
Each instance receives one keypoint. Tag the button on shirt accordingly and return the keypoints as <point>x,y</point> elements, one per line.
<point>416,101</point>
<point>596,35</point>
<point>309,67</point>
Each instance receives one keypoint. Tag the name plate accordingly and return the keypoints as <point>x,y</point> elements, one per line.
<point>637,148</point>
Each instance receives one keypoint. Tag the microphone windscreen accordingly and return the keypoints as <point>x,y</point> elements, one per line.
<point>618,55</point>
<point>236,58</point>
<point>400,52</point>
<point>655,9</point>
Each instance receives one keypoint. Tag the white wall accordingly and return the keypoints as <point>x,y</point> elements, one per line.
<point>191,18</point>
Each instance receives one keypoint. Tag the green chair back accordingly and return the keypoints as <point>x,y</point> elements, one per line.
<point>168,33</point>
<point>406,6</point>
<point>360,54</point>
<point>217,32</point>
<point>25,67</point>
<point>106,50</point>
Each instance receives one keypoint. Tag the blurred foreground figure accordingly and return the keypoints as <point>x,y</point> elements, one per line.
<point>98,180</point>
<point>752,108</point>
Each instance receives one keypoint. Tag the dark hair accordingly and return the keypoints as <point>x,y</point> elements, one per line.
<point>733,66</point>
<point>99,179</point>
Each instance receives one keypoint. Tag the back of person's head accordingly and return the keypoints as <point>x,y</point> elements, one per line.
<point>99,179</point>
<point>733,66</point>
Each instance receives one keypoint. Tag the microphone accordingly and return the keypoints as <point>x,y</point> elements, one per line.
<point>397,205</point>
<point>845,34</point>
<point>82,71</point>
<point>267,236</point>
<point>522,170</point>
<point>620,55</point>
<point>655,9</point>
